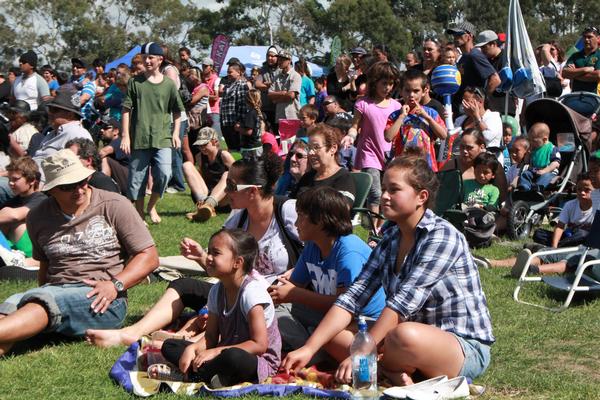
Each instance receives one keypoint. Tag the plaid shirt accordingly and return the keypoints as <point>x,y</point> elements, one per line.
<point>233,102</point>
<point>438,283</point>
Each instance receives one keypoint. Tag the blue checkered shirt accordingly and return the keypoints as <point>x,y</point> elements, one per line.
<point>233,102</point>
<point>438,283</point>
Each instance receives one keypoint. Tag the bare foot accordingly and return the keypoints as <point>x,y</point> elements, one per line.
<point>154,217</point>
<point>109,337</point>
<point>398,378</point>
<point>5,348</point>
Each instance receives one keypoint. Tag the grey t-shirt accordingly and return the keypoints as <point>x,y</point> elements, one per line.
<point>56,140</point>
<point>94,245</point>
<point>289,82</point>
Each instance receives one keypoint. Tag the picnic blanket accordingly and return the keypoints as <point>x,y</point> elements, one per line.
<point>129,372</point>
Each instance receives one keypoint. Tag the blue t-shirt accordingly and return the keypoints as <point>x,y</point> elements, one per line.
<point>307,90</point>
<point>338,270</point>
<point>53,85</point>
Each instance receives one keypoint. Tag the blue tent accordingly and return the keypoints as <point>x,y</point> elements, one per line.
<point>126,59</point>
<point>254,56</point>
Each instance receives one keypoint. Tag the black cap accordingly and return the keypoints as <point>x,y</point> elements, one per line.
<point>78,62</point>
<point>110,121</point>
<point>29,57</point>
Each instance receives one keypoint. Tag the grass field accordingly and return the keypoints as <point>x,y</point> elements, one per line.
<point>538,354</point>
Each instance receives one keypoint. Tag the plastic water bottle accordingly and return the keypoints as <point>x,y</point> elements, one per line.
<point>363,353</point>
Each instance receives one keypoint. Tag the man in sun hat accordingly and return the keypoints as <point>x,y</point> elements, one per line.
<point>92,246</point>
<point>151,121</point>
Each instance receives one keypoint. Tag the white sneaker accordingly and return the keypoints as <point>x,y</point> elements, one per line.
<point>404,392</point>
<point>13,258</point>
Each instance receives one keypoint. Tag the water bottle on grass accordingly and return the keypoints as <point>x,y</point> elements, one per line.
<point>363,353</point>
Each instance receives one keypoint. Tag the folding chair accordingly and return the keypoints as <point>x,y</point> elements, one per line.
<point>570,283</point>
<point>362,184</point>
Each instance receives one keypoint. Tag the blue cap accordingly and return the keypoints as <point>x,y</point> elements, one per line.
<point>152,48</point>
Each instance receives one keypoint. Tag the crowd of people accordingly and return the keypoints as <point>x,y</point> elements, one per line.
<point>292,276</point>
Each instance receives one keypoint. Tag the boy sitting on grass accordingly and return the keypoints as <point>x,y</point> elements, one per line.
<point>24,180</point>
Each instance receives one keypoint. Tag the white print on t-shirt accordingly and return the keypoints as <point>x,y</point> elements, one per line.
<point>324,281</point>
<point>98,239</point>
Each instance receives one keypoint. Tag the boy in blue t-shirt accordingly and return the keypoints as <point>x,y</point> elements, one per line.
<point>331,260</point>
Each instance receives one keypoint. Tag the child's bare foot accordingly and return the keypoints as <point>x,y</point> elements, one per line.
<point>109,337</point>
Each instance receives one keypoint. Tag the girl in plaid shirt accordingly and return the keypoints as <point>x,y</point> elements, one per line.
<point>436,320</point>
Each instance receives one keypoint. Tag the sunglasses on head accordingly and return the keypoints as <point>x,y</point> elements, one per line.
<point>476,91</point>
<point>70,187</point>
<point>591,29</point>
<point>231,186</point>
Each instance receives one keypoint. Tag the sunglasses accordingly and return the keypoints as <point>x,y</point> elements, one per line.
<point>476,91</point>
<point>232,187</point>
<point>298,155</point>
<point>71,187</point>
<point>326,103</point>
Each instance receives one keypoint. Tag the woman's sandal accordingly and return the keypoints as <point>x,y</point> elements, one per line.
<point>165,372</point>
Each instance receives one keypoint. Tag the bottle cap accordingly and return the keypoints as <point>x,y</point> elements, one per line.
<point>362,323</point>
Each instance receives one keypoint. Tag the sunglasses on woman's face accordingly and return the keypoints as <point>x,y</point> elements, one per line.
<point>71,187</point>
<point>298,155</point>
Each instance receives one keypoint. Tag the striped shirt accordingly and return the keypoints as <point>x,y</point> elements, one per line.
<point>438,283</point>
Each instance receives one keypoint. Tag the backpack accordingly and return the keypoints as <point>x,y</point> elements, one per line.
<point>292,245</point>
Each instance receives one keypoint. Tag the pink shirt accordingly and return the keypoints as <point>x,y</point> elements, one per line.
<point>371,145</point>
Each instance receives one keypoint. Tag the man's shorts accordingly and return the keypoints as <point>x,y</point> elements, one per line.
<point>69,311</point>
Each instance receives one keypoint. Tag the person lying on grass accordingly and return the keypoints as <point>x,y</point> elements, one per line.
<point>436,320</point>
<point>242,341</point>
<point>332,258</point>
<point>249,189</point>
<point>563,262</point>
<point>80,236</point>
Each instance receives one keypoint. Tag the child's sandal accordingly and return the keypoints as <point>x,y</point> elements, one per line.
<point>164,372</point>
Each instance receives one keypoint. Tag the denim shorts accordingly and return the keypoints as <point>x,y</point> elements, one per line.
<point>161,162</point>
<point>477,357</point>
<point>69,311</point>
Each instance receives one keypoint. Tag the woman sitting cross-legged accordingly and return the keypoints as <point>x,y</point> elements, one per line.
<point>436,320</point>
<point>257,211</point>
<point>331,260</point>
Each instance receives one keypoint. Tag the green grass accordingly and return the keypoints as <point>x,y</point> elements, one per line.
<point>538,354</point>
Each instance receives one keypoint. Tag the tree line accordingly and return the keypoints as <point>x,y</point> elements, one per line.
<point>60,29</point>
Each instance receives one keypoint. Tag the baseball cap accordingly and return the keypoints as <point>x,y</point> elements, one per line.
<point>110,121</point>
<point>205,135</point>
<point>284,54</point>
<point>207,61</point>
<point>461,28</point>
<point>78,62</point>
<point>485,37</point>
<point>358,50</point>
<point>152,48</point>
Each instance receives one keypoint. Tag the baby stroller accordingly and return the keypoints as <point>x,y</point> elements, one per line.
<point>567,128</point>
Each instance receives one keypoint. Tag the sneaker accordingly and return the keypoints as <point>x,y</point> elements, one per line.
<point>204,213</point>
<point>171,190</point>
<point>521,261</point>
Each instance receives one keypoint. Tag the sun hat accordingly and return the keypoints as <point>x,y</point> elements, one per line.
<point>205,135</point>
<point>485,37</point>
<point>63,168</point>
<point>67,99</point>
